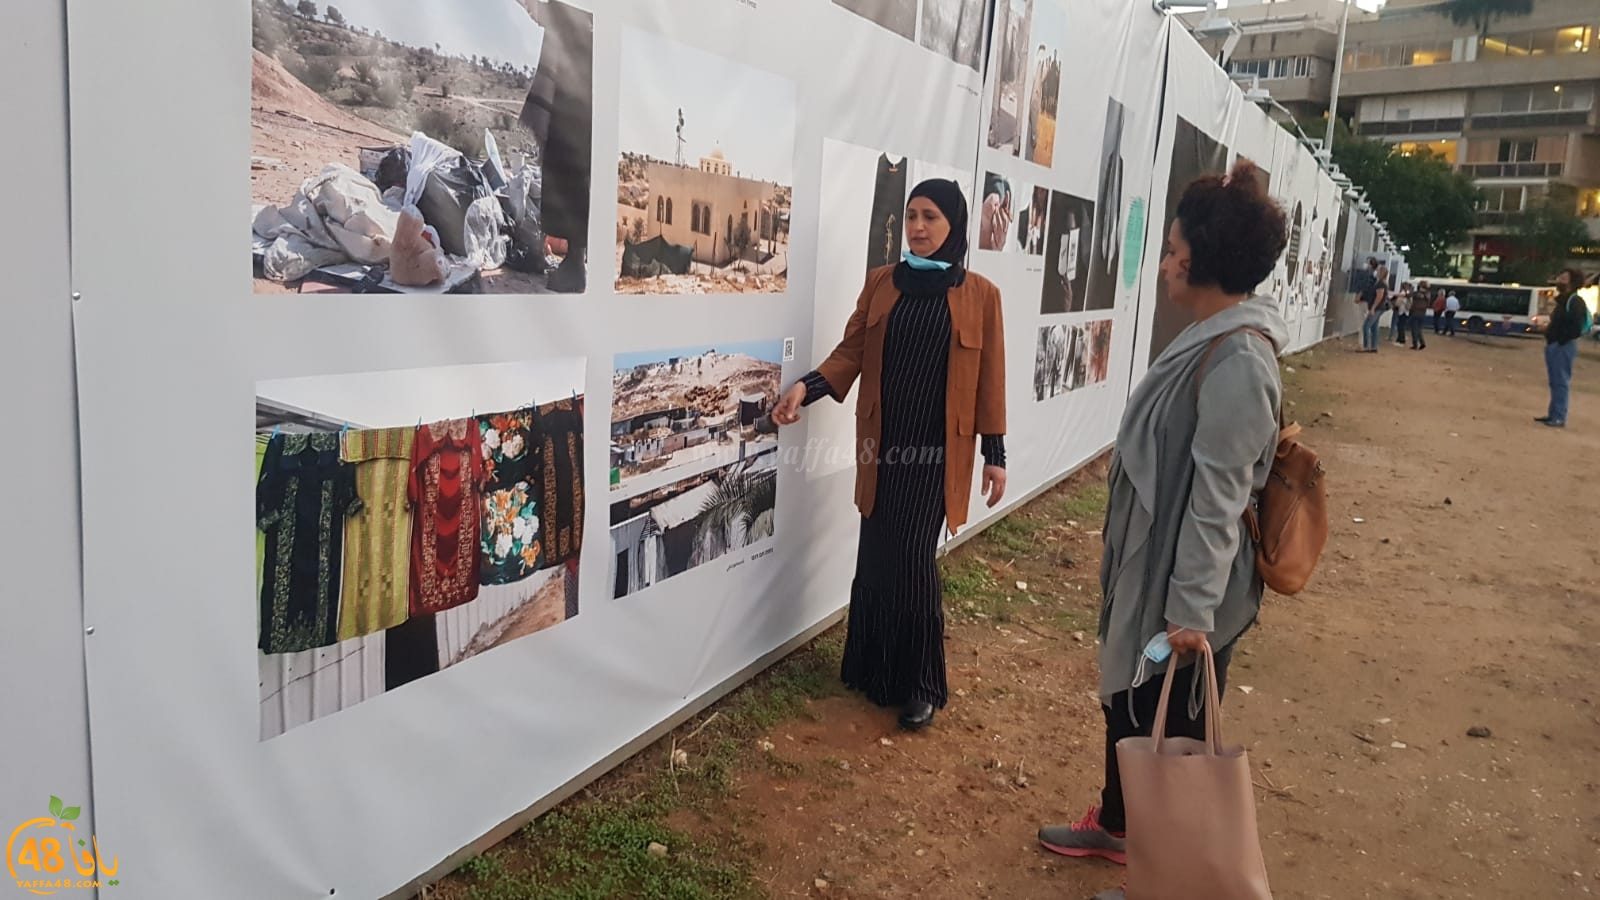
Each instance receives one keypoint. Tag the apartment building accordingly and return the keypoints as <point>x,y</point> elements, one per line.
<point>1515,108</point>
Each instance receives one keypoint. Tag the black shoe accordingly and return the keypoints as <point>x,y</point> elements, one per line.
<point>916,714</point>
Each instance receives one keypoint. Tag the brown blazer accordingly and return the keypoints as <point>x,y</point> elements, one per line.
<point>975,393</point>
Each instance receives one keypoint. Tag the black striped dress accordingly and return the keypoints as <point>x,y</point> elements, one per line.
<point>894,645</point>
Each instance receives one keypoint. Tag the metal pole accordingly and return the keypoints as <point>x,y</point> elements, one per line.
<point>1338,70</point>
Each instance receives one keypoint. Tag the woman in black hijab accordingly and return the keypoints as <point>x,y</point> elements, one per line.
<point>928,343</point>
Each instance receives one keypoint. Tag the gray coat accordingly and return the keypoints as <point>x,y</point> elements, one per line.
<point>1176,549</point>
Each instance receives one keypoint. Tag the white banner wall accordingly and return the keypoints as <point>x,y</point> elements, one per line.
<point>526,277</point>
<point>46,749</point>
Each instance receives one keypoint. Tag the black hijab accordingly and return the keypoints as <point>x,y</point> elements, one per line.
<point>947,196</point>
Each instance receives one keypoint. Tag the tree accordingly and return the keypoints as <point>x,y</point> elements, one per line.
<point>1480,14</point>
<point>307,9</point>
<point>334,16</point>
<point>1426,203</point>
<point>1540,240</point>
<point>742,241</point>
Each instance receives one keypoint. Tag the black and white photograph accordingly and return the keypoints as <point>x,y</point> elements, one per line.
<point>898,16</point>
<point>955,30</point>
<point>687,523</point>
<point>691,409</point>
<point>1109,207</point>
<point>1194,153</point>
<point>1013,21</point>
<point>1061,361</point>
<point>706,173</point>
<point>408,520</point>
<point>1067,255</point>
<point>403,146</point>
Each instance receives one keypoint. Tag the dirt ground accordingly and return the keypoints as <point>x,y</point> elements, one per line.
<point>1459,590</point>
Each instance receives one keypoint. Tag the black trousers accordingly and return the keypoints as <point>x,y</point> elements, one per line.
<point>1143,701</point>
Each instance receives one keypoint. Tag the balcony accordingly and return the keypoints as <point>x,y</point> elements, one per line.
<point>1411,126</point>
<point>1567,118</point>
<point>1512,170</point>
<point>1496,218</point>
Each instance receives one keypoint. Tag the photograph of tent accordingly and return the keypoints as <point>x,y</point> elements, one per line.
<point>399,146</point>
<point>1013,21</point>
<point>691,409</point>
<point>704,183</point>
<point>678,526</point>
<point>409,520</point>
<point>1067,255</point>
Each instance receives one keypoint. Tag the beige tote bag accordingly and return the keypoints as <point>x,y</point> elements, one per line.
<point>1191,811</point>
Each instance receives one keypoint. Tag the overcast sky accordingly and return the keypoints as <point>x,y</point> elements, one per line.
<point>499,29</point>
<point>747,112</point>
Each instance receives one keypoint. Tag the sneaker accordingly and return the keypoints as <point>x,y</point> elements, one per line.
<point>1085,838</point>
<point>1554,424</point>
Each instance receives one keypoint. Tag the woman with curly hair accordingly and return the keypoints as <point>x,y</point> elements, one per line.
<point>1196,440</point>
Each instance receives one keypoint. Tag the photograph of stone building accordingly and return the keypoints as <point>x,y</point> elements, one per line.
<point>704,175</point>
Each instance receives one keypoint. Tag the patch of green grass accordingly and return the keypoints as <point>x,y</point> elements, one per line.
<point>1074,618</point>
<point>971,590</point>
<point>1085,505</point>
<point>1015,533</point>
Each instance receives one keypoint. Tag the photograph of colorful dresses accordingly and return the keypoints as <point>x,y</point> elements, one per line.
<point>395,540</point>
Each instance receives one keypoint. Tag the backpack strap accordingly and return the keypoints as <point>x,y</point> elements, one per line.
<point>1205,360</point>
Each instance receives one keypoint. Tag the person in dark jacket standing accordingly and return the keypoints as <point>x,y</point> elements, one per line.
<point>1561,345</point>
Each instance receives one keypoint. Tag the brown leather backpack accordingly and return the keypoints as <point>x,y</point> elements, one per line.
<point>1289,521</point>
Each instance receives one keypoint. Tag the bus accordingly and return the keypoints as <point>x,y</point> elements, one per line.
<point>1498,308</point>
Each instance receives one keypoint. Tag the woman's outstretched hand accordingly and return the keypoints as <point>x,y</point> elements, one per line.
<point>787,412</point>
<point>994,483</point>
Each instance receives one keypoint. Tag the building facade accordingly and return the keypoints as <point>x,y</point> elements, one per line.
<point>708,208</point>
<point>1513,107</point>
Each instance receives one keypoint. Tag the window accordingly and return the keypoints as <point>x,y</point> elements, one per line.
<point>669,210</point>
<point>1501,199</point>
<point>1280,68</point>
<point>1543,42</point>
<point>700,218</point>
<point>661,208</point>
<point>1517,151</point>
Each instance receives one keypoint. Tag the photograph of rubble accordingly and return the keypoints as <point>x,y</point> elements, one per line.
<point>1013,21</point>
<point>677,412</point>
<point>704,182</point>
<point>399,146</point>
<point>678,526</point>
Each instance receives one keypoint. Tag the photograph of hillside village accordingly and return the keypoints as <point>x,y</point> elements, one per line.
<point>680,411</point>
<point>401,146</point>
<point>704,180</point>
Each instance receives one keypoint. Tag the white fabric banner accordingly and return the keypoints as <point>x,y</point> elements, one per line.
<point>526,277</point>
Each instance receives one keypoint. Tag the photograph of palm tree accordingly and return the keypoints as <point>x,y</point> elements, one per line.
<point>688,523</point>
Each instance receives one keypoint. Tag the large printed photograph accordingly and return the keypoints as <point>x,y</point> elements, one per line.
<point>407,521</point>
<point>1109,211</point>
<point>690,409</point>
<point>399,146</point>
<point>1044,97</point>
<point>1067,255</point>
<point>1194,153</point>
<point>1013,22</point>
<point>953,29</point>
<point>705,179</point>
<point>687,523</point>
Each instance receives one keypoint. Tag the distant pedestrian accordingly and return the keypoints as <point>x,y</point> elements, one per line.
<point>1438,312</point>
<point>1561,344</point>
<point>1402,313</point>
<point>1418,312</point>
<point>1452,306</point>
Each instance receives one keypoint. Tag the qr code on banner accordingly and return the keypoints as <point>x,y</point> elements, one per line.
<point>788,349</point>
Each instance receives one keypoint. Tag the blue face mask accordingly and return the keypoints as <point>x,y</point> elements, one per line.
<point>918,262</point>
